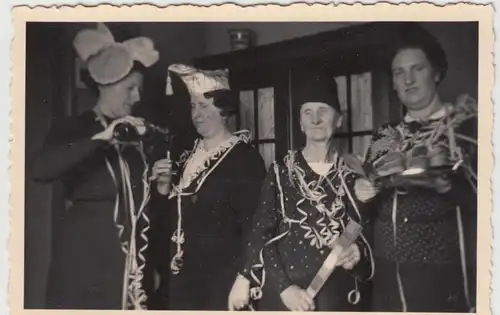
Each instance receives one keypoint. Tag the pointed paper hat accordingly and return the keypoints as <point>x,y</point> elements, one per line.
<point>108,61</point>
<point>198,81</point>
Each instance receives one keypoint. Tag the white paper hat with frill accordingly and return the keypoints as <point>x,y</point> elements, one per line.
<point>109,61</point>
<point>198,81</point>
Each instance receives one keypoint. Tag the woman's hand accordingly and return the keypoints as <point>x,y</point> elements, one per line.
<point>239,296</point>
<point>349,257</point>
<point>107,134</point>
<point>365,190</point>
<point>162,173</point>
<point>297,299</point>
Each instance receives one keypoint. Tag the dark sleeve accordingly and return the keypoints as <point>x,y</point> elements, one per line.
<point>249,175</point>
<point>462,188</point>
<point>362,213</point>
<point>264,228</point>
<point>160,232</point>
<point>63,149</point>
<point>465,196</point>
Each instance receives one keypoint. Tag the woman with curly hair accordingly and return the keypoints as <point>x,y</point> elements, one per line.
<point>426,209</point>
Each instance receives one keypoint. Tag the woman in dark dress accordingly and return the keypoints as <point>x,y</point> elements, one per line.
<point>210,204</point>
<point>97,262</point>
<point>425,228</point>
<point>306,203</point>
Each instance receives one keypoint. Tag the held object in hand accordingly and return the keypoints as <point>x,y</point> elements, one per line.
<point>396,169</point>
<point>346,239</point>
<point>125,132</point>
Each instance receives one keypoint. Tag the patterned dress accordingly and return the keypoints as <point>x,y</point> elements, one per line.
<point>424,241</point>
<point>299,214</point>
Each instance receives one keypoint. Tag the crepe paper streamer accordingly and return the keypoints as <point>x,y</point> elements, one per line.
<point>463,260</point>
<point>133,295</point>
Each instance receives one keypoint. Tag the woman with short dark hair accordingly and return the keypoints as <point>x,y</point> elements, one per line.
<point>209,205</point>
<point>425,213</point>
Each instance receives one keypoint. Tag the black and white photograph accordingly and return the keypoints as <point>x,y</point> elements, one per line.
<point>329,166</point>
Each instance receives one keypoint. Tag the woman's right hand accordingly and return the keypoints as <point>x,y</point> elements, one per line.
<point>365,190</point>
<point>297,299</point>
<point>107,134</point>
<point>162,174</point>
<point>239,296</point>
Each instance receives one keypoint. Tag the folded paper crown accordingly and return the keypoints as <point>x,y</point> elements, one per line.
<point>198,81</point>
<point>109,61</point>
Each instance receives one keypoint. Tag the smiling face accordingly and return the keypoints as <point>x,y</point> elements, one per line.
<point>119,98</point>
<point>318,121</point>
<point>413,78</point>
<point>206,117</point>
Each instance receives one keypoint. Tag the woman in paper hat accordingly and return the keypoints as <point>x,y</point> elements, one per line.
<point>98,260</point>
<point>305,206</point>
<point>425,224</point>
<point>212,201</point>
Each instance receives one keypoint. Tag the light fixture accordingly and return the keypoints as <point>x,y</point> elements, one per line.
<point>241,38</point>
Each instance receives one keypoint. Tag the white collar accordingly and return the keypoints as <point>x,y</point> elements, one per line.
<point>436,115</point>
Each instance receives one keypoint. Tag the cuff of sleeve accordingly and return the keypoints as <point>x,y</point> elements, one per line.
<point>362,269</point>
<point>283,284</point>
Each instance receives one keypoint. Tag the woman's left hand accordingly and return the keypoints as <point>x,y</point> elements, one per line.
<point>349,257</point>
<point>239,296</point>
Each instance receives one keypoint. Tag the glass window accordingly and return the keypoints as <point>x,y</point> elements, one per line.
<point>357,110</point>
<point>263,135</point>
<point>246,112</point>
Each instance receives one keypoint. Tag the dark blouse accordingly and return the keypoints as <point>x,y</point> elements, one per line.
<point>300,227</point>
<point>417,228</point>
<point>87,262</point>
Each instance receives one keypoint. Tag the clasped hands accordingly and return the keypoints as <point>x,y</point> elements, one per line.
<point>297,299</point>
<point>294,297</point>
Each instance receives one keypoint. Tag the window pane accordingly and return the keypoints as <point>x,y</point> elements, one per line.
<point>360,145</point>
<point>342,91</point>
<point>266,113</point>
<point>361,101</point>
<point>246,112</point>
<point>267,152</point>
<point>232,123</point>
